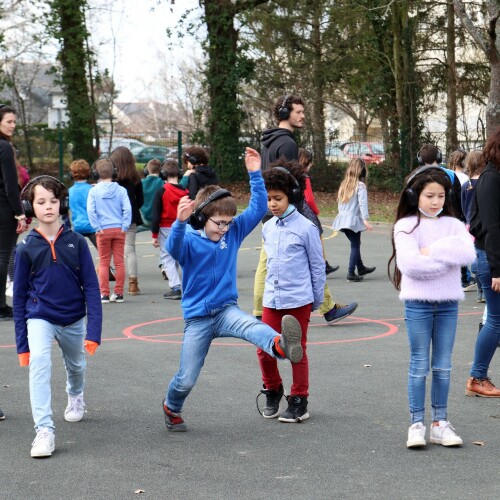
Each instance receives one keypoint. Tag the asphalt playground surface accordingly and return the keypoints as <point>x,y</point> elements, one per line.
<point>353,445</point>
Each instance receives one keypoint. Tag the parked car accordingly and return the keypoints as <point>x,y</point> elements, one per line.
<point>371,152</point>
<point>143,155</point>
<point>132,144</point>
<point>335,154</point>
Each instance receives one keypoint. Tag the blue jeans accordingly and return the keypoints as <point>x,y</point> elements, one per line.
<point>355,256</point>
<point>488,337</point>
<point>426,323</point>
<point>229,321</point>
<point>41,335</point>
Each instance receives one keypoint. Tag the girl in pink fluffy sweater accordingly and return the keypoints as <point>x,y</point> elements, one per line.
<point>429,246</point>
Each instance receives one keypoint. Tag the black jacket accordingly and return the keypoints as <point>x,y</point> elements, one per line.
<point>136,197</point>
<point>485,216</point>
<point>278,142</point>
<point>202,176</point>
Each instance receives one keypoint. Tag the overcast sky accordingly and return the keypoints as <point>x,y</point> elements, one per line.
<point>141,43</point>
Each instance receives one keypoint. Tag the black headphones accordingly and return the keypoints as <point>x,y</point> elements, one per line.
<point>194,160</point>
<point>411,196</point>
<point>283,111</point>
<point>198,219</point>
<point>439,157</point>
<point>95,173</point>
<point>28,207</point>
<point>297,193</point>
<point>162,174</point>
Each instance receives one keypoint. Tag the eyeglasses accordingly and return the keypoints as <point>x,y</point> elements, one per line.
<point>222,223</point>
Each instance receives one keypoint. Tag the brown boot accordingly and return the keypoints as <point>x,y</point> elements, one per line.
<point>481,387</point>
<point>133,286</point>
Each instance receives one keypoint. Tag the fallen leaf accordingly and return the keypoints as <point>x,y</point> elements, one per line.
<point>7,385</point>
<point>367,366</point>
<point>479,443</point>
<point>137,492</point>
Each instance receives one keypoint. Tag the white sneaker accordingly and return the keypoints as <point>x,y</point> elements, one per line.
<point>9,288</point>
<point>76,408</point>
<point>44,443</point>
<point>445,434</point>
<point>416,435</point>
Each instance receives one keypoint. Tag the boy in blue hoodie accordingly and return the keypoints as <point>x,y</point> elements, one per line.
<point>207,250</point>
<point>110,214</point>
<point>55,287</point>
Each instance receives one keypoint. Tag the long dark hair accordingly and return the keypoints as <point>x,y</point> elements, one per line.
<point>491,150</point>
<point>408,206</point>
<point>124,162</point>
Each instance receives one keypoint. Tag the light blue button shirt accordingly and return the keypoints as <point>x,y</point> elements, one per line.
<point>295,263</point>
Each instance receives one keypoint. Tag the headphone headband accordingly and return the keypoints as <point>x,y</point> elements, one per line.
<point>198,218</point>
<point>28,207</point>
<point>420,170</point>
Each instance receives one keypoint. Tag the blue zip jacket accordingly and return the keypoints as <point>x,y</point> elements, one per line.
<point>209,267</point>
<point>57,283</point>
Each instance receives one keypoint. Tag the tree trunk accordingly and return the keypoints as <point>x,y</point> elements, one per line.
<point>451,98</point>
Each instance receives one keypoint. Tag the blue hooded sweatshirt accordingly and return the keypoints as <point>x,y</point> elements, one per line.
<point>78,195</point>
<point>209,267</point>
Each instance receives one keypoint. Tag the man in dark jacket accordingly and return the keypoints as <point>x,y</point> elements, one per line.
<point>289,113</point>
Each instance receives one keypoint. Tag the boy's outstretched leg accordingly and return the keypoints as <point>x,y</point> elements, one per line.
<point>289,345</point>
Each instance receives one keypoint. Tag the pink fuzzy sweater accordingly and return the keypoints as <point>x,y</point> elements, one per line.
<point>434,277</point>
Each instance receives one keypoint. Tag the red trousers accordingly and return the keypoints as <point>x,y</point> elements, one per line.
<point>111,243</point>
<point>269,365</point>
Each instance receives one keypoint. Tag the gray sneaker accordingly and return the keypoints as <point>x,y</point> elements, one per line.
<point>173,295</point>
<point>291,335</point>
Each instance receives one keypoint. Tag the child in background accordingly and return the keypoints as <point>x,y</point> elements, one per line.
<point>352,218</point>
<point>457,163</point>
<point>294,284</point>
<point>151,183</point>
<point>78,195</point>
<point>128,177</point>
<point>429,246</point>
<point>475,167</point>
<point>109,212</point>
<point>207,250</point>
<point>163,215</point>
<point>55,287</point>
<point>305,161</point>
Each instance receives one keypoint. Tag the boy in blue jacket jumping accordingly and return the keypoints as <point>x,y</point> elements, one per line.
<point>207,250</point>
<point>55,288</point>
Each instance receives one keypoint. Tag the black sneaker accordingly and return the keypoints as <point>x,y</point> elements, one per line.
<point>291,335</point>
<point>2,416</point>
<point>296,411</point>
<point>104,299</point>
<point>116,297</point>
<point>362,271</point>
<point>354,278</point>
<point>339,312</point>
<point>173,421</point>
<point>273,399</point>
<point>330,269</point>
<point>173,295</point>
<point>6,312</point>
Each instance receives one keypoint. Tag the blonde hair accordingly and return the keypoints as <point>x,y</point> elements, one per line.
<point>474,163</point>
<point>354,172</point>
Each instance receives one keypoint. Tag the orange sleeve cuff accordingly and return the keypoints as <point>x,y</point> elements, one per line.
<point>91,346</point>
<point>24,359</point>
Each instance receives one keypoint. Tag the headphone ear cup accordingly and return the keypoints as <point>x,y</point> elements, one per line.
<point>145,172</point>
<point>27,208</point>
<point>197,220</point>
<point>64,206</point>
<point>284,113</point>
<point>439,156</point>
<point>163,175</point>
<point>297,196</point>
<point>115,173</point>
<point>419,159</point>
<point>411,199</point>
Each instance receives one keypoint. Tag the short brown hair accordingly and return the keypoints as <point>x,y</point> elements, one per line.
<point>222,206</point>
<point>104,168</point>
<point>153,166</point>
<point>429,154</point>
<point>171,168</point>
<point>80,170</point>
